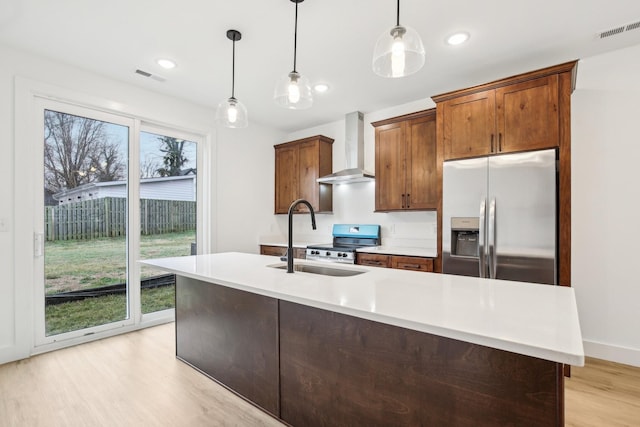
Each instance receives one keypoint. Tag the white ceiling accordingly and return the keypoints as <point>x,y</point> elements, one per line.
<point>335,44</point>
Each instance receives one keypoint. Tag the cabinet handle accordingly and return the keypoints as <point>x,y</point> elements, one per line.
<point>500,142</point>
<point>492,143</point>
<point>413,266</point>
<point>408,200</point>
<point>403,199</point>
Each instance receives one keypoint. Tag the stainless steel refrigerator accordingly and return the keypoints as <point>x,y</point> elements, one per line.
<point>500,217</point>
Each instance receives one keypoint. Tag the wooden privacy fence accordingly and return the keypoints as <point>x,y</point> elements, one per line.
<point>107,217</point>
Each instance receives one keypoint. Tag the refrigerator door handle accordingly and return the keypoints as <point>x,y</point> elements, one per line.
<point>492,239</point>
<point>482,264</point>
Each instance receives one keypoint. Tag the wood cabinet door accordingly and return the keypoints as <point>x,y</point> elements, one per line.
<point>390,167</point>
<point>286,178</point>
<point>421,162</point>
<point>469,125</point>
<point>527,115</point>
<point>307,174</point>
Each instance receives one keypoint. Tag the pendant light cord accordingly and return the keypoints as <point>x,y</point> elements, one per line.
<point>295,39</point>
<point>233,70</point>
<point>398,15</point>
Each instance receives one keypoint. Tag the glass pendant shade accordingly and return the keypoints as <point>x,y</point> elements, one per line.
<point>232,113</point>
<point>398,52</point>
<point>293,91</point>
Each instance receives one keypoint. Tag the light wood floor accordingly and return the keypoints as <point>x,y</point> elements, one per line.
<point>135,380</point>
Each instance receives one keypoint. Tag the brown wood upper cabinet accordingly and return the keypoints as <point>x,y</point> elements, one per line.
<point>514,117</point>
<point>298,165</point>
<point>406,162</point>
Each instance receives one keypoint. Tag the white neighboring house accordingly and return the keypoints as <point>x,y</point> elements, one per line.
<point>166,188</point>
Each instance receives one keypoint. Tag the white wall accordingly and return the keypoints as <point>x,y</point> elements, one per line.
<point>245,186</point>
<point>606,204</point>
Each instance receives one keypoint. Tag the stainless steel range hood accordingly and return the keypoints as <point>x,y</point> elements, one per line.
<point>354,154</point>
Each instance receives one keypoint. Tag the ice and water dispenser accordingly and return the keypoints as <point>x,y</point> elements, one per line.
<point>465,236</point>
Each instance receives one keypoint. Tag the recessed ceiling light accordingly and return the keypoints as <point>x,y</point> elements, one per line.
<point>457,38</point>
<point>321,87</point>
<point>166,63</point>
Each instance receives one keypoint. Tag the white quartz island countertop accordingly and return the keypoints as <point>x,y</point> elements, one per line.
<point>530,319</point>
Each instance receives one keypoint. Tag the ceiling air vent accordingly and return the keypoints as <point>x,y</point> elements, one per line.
<point>633,26</point>
<point>619,30</point>
<point>146,74</point>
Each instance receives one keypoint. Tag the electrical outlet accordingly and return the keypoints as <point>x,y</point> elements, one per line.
<point>4,226</point>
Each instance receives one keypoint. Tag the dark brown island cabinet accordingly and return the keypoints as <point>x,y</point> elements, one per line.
<point>313,367</point>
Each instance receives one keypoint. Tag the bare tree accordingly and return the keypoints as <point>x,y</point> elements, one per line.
<point>149,168</point>
<point>174,158</point>
<point>105,163</point>
<point>77,151</point>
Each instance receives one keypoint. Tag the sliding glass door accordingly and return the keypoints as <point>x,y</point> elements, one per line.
<point>113,191</point>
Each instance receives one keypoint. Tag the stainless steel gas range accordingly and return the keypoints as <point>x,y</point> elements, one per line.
<point>346,239</point>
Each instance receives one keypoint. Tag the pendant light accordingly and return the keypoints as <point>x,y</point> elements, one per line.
<point>232,113</point>
<point>293,89</point>
<point>398,52</point>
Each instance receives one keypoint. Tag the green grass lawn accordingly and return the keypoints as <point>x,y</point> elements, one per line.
<point>75,265</point>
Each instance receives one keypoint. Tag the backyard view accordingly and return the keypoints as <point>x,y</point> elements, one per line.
<point>73,265</point>
<point>87,251</point>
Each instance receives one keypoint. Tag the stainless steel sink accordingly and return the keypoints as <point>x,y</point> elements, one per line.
<point>320,269</point>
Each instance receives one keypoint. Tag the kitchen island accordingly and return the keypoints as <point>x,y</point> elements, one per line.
<point>384,347</point>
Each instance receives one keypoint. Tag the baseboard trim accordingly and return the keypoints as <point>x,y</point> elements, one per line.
<point>612,353</point>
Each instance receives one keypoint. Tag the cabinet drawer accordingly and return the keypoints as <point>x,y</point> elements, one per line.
<point>412,263</point>
<point>373,260</point>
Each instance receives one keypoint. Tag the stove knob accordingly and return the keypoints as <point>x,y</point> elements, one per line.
<point>342,254</point>
<point>328,253</point>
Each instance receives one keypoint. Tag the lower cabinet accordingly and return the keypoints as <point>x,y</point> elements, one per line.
<point>282,250</point>
<point>395,261</point>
